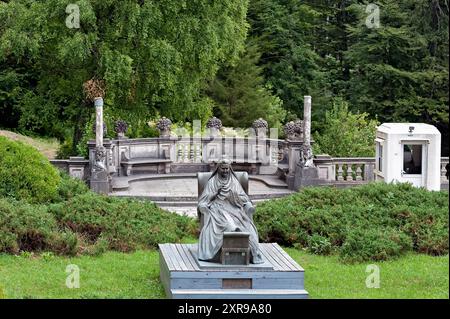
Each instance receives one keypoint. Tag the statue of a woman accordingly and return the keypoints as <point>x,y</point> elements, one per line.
<point>226,208</point>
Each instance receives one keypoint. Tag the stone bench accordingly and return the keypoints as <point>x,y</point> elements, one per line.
<point>162,164</point>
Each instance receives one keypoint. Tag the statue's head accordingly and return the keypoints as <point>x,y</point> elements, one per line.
<point>224,167</point>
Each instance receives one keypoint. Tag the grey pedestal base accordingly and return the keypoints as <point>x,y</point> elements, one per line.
<point>306,176</point>
<point>100,187</point>
<point>290,181</point>
<point>183,277</point>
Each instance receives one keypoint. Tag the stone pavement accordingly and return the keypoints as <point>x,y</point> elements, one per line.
<point>178,192</point>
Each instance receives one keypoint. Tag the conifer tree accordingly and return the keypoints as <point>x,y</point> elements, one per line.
<point>240,94</point>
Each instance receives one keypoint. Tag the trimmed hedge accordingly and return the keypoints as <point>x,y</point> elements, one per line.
<point>376,221</point>
<point>25,227</point>
<point>124,223</point>
<point>88,224</point>
<point>70,187</point>
<point>44,210</point>
<point>25,174</point>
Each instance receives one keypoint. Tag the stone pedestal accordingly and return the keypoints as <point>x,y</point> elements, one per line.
<point>77,167</point>
<point>185,277</point>
<point>100,186</point>
<point>290,181</point>
<point>294,158</point>
<point>100,182</point>
<point>306,176</point>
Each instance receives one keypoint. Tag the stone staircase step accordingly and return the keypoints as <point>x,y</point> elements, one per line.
<point>193,199</point>
<point>239,293</point>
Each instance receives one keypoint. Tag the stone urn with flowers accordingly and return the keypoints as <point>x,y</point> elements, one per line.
<point>163,125</point>
<point>214,125</point>
<point>120,127</point>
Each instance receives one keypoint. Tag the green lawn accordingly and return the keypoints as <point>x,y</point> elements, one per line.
<point>136,275</point>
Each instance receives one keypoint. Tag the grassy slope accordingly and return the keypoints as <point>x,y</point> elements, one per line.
<point>411,276</point>
<point>48,147</point>
<point>136,275</point>
<point>112,275</point>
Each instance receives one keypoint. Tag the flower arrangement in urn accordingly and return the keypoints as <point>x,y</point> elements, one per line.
<point>294,130</point>
<point>260,126</point>
<point>163,125</point>
<point>120,127</point>
<point>214,125</point>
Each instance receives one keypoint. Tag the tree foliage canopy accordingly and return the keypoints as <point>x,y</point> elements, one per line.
<point>241,59</point>
<point>346,134</point>
<point>153,55</point>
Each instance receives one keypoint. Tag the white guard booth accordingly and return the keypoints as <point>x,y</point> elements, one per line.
<point>409,152</point>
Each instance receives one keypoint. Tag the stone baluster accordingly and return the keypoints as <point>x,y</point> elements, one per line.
<point>198,153</point>
<point>443,171</point>
<point>359,172</point>
<point>191,153</point>
<point>185,153</point>
<point>274,156</point>
<point>340,172</point>
<point>349,175</point>
<point>179,153</point>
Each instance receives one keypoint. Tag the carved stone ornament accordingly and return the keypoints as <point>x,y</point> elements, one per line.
<point>294,130</point>
<point>99,167</point>
<point>260,126</point>
<point>306,156</point>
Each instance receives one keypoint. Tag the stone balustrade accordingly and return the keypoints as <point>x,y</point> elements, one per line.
<point>260,155</point>
<point>345,170</point>
<point>444,169</point>
<point>353,169</point>
<point>253,155</point>
<point>193,154</point>
<point>358,170</point>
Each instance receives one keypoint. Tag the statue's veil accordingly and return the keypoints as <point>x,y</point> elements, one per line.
<point>223,160</point>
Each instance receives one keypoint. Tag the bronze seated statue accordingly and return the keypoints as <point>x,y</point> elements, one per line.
<point>226,217</point>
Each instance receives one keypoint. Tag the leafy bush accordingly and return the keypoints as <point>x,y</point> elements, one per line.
<point>319,245</point>
<point>345,134</point>
<point>70,187</point>
<point>87,223</point>
<point>374,244</point>
<point>26,227</point>
<point>124,223</point>
<point>371,222</point>
<point>66,150</point>
<point>25,173</point>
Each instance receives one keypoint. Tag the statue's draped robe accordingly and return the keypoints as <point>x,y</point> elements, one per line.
<point>225,213</point>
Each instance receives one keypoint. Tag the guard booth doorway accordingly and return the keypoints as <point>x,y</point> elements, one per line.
<point>414,163</point>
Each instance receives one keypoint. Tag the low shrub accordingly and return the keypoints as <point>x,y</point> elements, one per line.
<point>26,227</point>
<point>25,174</point>
<point>376,221</point>
<point>70,187</point>
<point>124,223</point>
<point>319,245</point>
<point>374,244</point>
<point>87,223</point>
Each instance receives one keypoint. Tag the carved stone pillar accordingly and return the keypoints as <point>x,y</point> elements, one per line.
<point>98,122</point>
<point>306,174</point>
<point>293,147</point>
<point>100,181</point>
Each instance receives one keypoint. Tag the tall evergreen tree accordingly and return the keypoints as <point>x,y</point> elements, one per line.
<point>283,29</point>
<point>241,96</point>
<point>399,71</point>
